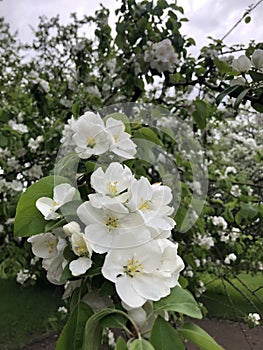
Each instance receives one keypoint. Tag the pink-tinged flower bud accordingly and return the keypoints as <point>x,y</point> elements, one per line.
<point>242,63</point>
<point>257,58</point>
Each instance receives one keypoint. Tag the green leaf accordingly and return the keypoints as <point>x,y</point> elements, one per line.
<point>222,66</point>
<point>3,141</point>
<point>257,106</point>
<point>256,76</point>
<point>199,337</point>
<point>72,334</point>
<point>114,321</point>
<point>75,109</point>
<point>247,19</point>
<point>147,133</point>
<point>121,344</point>
<point>226,92</point>
<point>93,330</point>
<point>201,113</point>
<point>240,98</point>
<point>141,344</point>
<point>179,300</point>
<point>28,220</point>
<point>122,117</point>
<point>164,336</point>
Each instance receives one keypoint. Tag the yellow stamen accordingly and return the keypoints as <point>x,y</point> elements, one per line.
<point>113,187</point>
<point>91,142</point>
<point>144,206</point>
<point>112,223</point>
<point>133,266</point>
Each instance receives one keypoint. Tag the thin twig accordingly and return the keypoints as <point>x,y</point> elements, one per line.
<point>231,301</point>
<point>250,9</point>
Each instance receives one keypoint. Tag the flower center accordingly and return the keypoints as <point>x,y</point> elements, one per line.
<point>91,142</point>
<point>112,223</point>
<point>82,250</point>
<point>51,246</point>
<point>144,206</point>
<point>133,266</point>
<point>113,187</point>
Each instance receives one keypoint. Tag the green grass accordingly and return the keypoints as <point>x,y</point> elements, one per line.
<point>24,312</point>
<point>223,301</point>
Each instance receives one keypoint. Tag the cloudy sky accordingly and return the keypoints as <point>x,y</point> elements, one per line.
<point>206,17</point>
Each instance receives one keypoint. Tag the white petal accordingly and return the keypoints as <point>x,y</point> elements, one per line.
<point>100,239</point>
<point>64,193</point>
<point>80,266</point>
<point>127,293</point>
<point>46,206</point>
<point>44,245</point>
<point>150,287</point>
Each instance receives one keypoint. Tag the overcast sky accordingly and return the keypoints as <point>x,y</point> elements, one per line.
<point>206,17</point>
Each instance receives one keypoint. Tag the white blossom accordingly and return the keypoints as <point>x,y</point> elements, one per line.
<point>63,193</point>
<point>230,258</point>
<point>91,136</point>
<point>257,58</point>
<point>241,64</point>
<point>19,127</point>
<point>139,273</point>
<point>121,143</point>
<point>254,318</point>
<point>161,56</point>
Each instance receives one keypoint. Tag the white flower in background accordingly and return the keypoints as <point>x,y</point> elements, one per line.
<point>235,191</point>
<point>44,85</point>
<point>241,64</point>
<point>35,172</point>
<point>91,136</point>
<point>136,272</point>
<point>238,81</point>
<point>93,90</point>
<point>188,272</point>
<point>63,193</point>
<point>161,56</point>
<point>104,225</point>
<point>254,318</point>
<point>16,185</point>
<point>44,245</point>
<point>114,182</point>
<point>205,241</point>
<point>62,310</point>
<point>230,169</point>
<point>219,221</point>
<point>230,258</point>
<point>121,143</point>
<point>33,144</point>
<point>1,171</point>
<point>224,237</point>
<point>1,228</point>
<point>234,233</point>
<point>257,58</point>
<point>111,338</point>
<point>19,127</point>
<point>22,276</point>
<point>81,247</point>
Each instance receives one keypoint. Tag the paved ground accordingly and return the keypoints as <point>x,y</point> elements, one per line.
<point>231,336</point>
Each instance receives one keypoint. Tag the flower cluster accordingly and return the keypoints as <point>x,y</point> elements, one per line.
<point>243,63</point>
<point>161,56</point>
<point>126,218</point>
<point>90,135</point>
<point>254,318</point>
